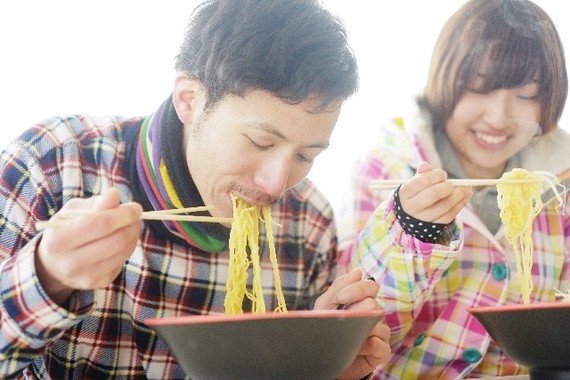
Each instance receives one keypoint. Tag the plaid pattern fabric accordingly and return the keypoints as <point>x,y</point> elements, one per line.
<point>427,289</point>
<point>101,333</point>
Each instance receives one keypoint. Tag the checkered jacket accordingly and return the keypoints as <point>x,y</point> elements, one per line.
<point>101,334</point>
<point>427,289</point>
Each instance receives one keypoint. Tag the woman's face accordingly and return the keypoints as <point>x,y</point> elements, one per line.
<point>486,130</point>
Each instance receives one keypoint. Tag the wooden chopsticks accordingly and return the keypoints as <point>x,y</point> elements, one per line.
<point>171,214</point>
<point>386,184</point>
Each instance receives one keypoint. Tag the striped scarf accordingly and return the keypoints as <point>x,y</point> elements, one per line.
<point>166,183</point>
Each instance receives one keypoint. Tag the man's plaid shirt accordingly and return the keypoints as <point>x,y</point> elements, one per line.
<point>101,333</point>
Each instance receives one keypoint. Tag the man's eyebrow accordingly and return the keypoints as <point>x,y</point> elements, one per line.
<point>271,130</point>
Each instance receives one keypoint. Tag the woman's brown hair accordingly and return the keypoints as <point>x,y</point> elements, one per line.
<point>519,41</point>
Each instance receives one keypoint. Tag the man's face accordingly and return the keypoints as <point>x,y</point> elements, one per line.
<point>255,146</point>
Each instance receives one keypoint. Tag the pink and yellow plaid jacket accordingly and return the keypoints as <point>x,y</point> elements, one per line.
<point>427,289</point>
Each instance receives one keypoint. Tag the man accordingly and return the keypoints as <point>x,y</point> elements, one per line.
<point>259,88</point>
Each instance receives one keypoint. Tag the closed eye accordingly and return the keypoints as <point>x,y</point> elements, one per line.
<point>304,159</point>
<point>259,146</point>
<point>476,90</point>
<point>529,98</point>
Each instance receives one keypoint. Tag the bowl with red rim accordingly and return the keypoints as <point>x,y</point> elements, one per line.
<point>306,344</point>
<point>536,336</point>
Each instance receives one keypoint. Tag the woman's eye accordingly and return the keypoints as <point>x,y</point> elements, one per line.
<point>527,97</point>
<point>475,90</point>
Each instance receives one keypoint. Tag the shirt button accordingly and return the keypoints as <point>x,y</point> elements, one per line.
<point>471,355</point>
<point>499,271</point>
<point>419,339</point>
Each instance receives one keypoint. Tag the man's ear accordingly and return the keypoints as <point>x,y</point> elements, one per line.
<point>188,98</point>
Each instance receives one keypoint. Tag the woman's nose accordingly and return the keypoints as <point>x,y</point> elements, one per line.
<point>498,111</point>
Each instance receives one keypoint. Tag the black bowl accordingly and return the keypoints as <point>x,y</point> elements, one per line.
<point>293,345</point>
<point>536,336</point>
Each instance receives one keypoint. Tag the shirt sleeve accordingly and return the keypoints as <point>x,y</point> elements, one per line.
<point>29,319</point>
<point>406,267</point>
<point>319,238</point>
<point>360,204</point>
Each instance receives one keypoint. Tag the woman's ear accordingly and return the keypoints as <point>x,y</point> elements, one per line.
<point>188,98</point>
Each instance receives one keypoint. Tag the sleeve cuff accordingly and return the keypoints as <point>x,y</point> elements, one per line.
<point>26,305</point>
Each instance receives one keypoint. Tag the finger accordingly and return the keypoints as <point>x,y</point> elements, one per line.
<point>329,299</point>
<point>374,352</point>
<point>446,209</point>
<point>378,351</point>
<point>426,197</point>
<point>110,220</point>
<point>96,264</point>
<point>343,281</point>
<point>110,199</point>
<point>423,167</point>
<point>359,295</point>
<point>80,231</point>
<point>377,344</point>
<point>421,182</point>
<point>115,247</point>
<point>369,302</point>
<point>449,208</point>
<point>382,331</point>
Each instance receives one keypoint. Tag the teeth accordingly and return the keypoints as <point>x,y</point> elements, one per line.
<point>490,139</point>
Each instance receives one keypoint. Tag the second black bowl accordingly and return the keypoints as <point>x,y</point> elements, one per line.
<point>536,336</point>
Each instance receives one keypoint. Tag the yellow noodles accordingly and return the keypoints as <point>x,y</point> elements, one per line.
<point>245,234</point>
<point>519,204</point>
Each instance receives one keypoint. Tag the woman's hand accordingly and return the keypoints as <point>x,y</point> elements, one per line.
<point>429,197</point>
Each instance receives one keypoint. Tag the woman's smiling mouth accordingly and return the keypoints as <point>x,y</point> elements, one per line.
<point>490,139</point>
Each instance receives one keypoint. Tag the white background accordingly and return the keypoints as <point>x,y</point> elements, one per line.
<point>117,57</point>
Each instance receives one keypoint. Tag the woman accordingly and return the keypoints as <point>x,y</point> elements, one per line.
<point>496,90</point>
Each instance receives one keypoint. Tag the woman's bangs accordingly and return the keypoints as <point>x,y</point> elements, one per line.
<point>512,62</point>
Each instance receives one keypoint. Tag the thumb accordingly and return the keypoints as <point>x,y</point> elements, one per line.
<point>110,199</point>
<point>352,276</point>
<point>329,299</point>
<point>423,167</point>
<point>342,282</point>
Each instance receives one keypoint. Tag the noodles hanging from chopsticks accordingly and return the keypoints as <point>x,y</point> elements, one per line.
<point>519,204</point>
<point>245,234</point>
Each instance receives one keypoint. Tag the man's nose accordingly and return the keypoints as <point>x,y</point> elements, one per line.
<point>273,176</point>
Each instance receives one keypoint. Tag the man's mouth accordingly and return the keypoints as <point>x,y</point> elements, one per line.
<point>253,197</point>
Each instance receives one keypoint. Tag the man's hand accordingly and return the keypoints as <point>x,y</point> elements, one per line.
<point>351,292</point>
<point>87,252</point>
